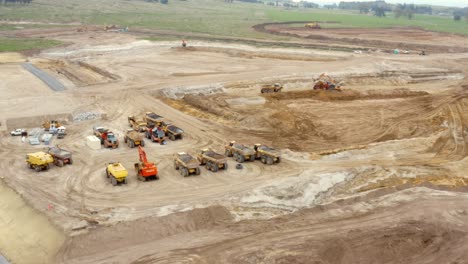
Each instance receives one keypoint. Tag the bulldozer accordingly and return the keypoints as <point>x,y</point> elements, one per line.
<point>145,170</point>
<point>116,173</point>
<point>325,82</point>
<point>313,25</point>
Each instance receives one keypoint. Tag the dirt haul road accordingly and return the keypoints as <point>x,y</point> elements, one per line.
<point>385,160</point>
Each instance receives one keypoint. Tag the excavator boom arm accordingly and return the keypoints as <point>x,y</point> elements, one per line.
<point>142,154</point>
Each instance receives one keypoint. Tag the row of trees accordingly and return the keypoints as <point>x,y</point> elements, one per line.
<point>380,7</point>
<point>158,1</point>
<point>459,13</point>
<point>23,2</point>
<point>377,7</point>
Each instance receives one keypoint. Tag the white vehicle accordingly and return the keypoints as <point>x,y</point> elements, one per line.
<point>17,132</point>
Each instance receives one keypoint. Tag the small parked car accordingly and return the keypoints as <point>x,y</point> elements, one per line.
<point>17,132</point>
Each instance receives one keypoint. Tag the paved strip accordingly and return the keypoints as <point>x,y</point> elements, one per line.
<point>45,77</point>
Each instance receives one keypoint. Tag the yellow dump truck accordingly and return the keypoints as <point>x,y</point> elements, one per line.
<point>138,124</point>
<point>213,161</point>
<point>39,161</point>
<point>266,154</point>
<point>186,164</point>
<point>240,152</point>
<point>133,139</point>
<point>116,173</point>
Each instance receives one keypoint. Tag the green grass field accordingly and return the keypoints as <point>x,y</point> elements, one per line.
<point>214,17</point>
<point>354,19</point>
<point>13,44</point>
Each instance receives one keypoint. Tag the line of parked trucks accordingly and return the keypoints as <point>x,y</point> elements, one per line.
<point>188,165</point>
<point>153,127</point>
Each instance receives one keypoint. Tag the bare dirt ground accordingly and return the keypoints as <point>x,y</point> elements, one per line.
<point>406,38</point>
<point>373,174</point>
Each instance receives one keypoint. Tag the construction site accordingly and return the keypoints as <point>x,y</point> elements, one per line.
<point>326,149</point>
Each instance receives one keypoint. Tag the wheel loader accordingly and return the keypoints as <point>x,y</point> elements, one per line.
<point>186,164</point>
<point>240,152</point>
<point>266,154</point>
<point>61,156</point>
<point>39,161</point>
<point>212,160</point>
<point>116,173</point>
<point>133,138</point>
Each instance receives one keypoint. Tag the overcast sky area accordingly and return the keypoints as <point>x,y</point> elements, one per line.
<point>457,3</point>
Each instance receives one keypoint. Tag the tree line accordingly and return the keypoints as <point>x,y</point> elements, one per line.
<point>459,13</point>
<point>23,2</point>
<point>158,1</point>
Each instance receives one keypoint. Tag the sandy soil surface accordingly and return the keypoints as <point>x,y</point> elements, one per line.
<point>375,173</point>
<point>406,38</point>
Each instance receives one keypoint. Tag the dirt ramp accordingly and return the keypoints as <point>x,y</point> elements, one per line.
<point>346,95</point>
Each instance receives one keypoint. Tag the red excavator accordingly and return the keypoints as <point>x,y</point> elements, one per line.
<point>145,170</point>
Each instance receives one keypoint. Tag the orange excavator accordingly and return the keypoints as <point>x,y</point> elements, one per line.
<point>145,170</point>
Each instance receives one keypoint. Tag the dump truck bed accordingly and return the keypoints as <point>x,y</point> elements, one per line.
<point>118,170</point>
<point>153,116</point>
<point>243,148</point>
<point>174,129</point>
<point>61,153</point>
<point>269,150</point>
<point>188,160</point>
<point>214,155</point>
<point>134,135</point>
